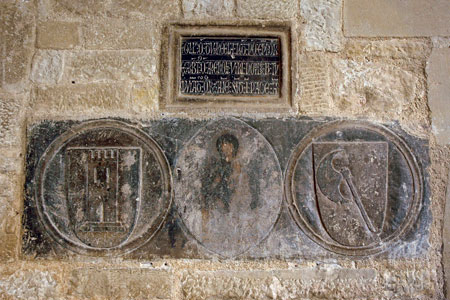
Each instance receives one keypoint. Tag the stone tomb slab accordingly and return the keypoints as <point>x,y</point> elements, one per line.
<point>221,66</point>
<point>241,188</point>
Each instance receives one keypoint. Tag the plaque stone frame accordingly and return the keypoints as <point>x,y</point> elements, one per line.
<point>173,100</point>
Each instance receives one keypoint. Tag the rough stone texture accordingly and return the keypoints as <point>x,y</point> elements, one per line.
<point>208,8</point>
<point>314,83</point>
<point>47,67</point>
<point>58,35</point>
<point>391,48</point>
<point>446,236</point>
<point>321,282</point>
<point>28,285</point>
<point>160,10</point>
<point>378,90</point>
<point>383,65</point>
<point>16,42</point>
<point>102,99</point>
<point>11,117</point>
<point>323,24</point>
<point>118,34</point>
<point>400,18</point>
<point>280,9</point>
<point>103,66</point>
<point>438,70</point>
<point>121,284</point>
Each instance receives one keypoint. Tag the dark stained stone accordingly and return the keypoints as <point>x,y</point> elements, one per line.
<point>351,188</point>
<point>228,187</point>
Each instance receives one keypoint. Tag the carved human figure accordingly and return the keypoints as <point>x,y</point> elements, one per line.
<point>227,191</point>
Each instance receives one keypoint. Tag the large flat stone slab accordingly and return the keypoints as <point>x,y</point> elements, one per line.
<point>242,188</point>
<point>397,18</point>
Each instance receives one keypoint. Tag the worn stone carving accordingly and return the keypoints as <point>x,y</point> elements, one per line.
<point>352,187</point>
<point>228,187</point>
<point>103,188</point>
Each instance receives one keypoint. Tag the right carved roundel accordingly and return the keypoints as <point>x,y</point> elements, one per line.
<point>352,187</point>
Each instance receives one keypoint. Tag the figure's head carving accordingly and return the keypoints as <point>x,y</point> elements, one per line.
<point>227,146</point>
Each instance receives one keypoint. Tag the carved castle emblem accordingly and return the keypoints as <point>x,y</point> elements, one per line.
<point>103,189</point>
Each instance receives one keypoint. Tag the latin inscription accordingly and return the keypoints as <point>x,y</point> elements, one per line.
<point>230,66</point>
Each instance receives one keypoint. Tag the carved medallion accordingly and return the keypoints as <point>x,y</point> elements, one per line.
<point>103,188</point>
<point>228,187</point>
<point>353,187</point>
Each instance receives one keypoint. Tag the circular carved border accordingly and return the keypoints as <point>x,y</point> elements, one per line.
<point>65,138</point>
<point>416,201</point>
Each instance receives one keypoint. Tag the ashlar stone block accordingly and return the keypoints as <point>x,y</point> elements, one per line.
<point>16,42</point>
<point>58,35</point>
<point>438,69</point>
<point>280,9</point>
<point>208,8</point>
<point>108,66</point>
<point>121,284</point>
<point>323,30</point>
<point>119,34</point>
<point>396,18</point>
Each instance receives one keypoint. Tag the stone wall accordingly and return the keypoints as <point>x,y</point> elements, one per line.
<point>381,61</point>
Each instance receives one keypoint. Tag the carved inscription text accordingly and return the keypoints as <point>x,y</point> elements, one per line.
<point>235,66</point>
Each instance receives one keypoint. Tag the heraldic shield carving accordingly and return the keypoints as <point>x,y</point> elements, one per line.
<point>353,187</point>
<point>103,188</point>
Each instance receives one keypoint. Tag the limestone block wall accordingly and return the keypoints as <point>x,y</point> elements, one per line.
<point>382,61</point>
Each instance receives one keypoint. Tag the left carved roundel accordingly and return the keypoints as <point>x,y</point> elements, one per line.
<point>103,188</point>
<point>228,187</point>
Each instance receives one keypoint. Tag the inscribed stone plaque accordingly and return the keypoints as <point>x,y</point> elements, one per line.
<point>244,67</point>
<point>230,66</point>
<point>228,187</point>
<point>354,188</point>
<point>102,188</point>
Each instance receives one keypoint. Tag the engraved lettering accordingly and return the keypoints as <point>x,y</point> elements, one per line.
<point>230,66</point>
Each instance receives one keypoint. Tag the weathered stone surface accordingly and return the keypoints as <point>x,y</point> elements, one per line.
<point>379,91</point>
<point>16,41</point>
<point>47,67</point>
<point>228,187</point>
<point>440,42</point>
<point>438,70</point>
<point>11,159</point>
<point>400,18</point>
<point>118,187</point>
<point>101,66</point>
<point>280,9</point>
<point>58,35</point>
<point>314,83</point>
<point>446,237</point>
<point>344,191</point>
<point>323,24</point>
<point>392,48</point>
<point>11,116</point>
<point>308,283</point>
<point>145,96</point>
<point>30,284</point>
<point>159,9</point>
<point>121,284</point>
<point>208,8</point>
<point>193,229</point>
<point>8,185</point>
<point>119,34</point>
<point>78,99</point>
